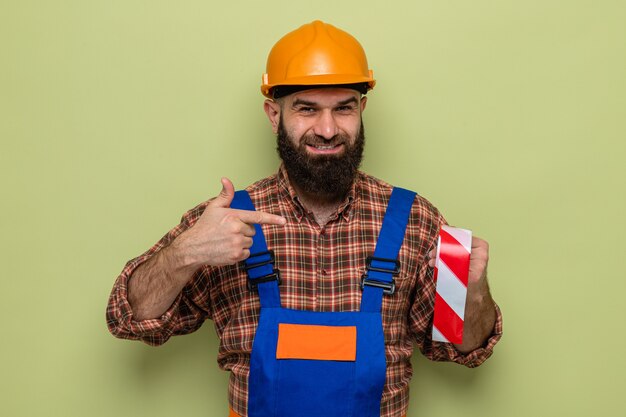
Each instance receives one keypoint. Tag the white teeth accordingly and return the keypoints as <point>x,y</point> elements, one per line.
<point>324,147</point>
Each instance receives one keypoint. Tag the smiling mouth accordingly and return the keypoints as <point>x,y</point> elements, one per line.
<point>324,148</point>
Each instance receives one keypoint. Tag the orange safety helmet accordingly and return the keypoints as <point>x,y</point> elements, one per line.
<point>316,54</point>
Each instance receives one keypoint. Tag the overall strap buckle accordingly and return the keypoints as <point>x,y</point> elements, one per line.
<point>254,283</point>
<point>266,258</point>
<point>389,287</point>
<point>250,264</point>
<point>393,271</point>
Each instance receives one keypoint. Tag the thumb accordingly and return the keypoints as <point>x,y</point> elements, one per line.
<point>225,196</point>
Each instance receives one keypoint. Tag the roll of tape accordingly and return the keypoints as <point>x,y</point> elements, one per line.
<point>451,272</point>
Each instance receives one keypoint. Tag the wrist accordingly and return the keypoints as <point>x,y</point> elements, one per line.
<point>478,291</point>
<point>178,261</point>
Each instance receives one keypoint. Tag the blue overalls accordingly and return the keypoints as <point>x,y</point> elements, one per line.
<point>314,364</point>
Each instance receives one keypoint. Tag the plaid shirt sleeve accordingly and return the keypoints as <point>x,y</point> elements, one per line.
<point>185,315</point>
<point>421,318</point>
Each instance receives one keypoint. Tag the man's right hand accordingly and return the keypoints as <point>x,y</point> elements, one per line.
<point>221,236</point>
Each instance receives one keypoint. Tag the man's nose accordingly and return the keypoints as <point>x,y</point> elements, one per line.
<point>326,126</point>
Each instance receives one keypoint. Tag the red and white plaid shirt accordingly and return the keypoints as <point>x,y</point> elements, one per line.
<point>320,269</point>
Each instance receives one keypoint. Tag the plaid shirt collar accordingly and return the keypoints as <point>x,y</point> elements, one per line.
<point>288,193</point>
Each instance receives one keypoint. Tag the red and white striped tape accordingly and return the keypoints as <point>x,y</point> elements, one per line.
<point>451,272</point>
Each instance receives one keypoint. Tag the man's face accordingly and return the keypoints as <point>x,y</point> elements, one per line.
<point>320,139</point>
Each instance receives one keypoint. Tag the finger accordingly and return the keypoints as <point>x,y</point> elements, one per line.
<point>478,242</point>
<point>260,217</point>
<point>247,243</point>
<point>225,197</point>
<point>480,249</point>
<point>478,252</point>
<point>480,256</point>
<point>247,230</point>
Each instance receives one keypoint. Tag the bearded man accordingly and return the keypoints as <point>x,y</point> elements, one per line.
<point>313,320</point>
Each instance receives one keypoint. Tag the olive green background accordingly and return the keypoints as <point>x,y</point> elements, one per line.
<point>118,116</point>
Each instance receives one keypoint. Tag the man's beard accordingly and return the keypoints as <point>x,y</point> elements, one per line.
<point>328,177</point>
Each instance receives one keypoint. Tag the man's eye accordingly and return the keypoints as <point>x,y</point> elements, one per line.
<point>345,108</point>
<point>307,109</point>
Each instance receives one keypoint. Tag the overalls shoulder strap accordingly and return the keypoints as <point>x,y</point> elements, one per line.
<point>262,275</point>
<point>384,264</point>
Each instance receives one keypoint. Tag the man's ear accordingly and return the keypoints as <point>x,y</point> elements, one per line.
<point>272,109</point>
<point>363,103</point>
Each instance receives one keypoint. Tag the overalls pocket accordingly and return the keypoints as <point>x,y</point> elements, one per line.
<point>316,370</point>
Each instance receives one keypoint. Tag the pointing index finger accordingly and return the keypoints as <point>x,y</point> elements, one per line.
<point>260,217</point>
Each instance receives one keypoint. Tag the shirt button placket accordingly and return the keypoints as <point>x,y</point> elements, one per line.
<point>321,271</point>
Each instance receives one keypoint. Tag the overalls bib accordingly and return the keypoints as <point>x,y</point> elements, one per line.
<point>322,364</point>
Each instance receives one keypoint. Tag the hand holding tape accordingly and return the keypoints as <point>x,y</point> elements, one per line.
<point>451,273</point>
